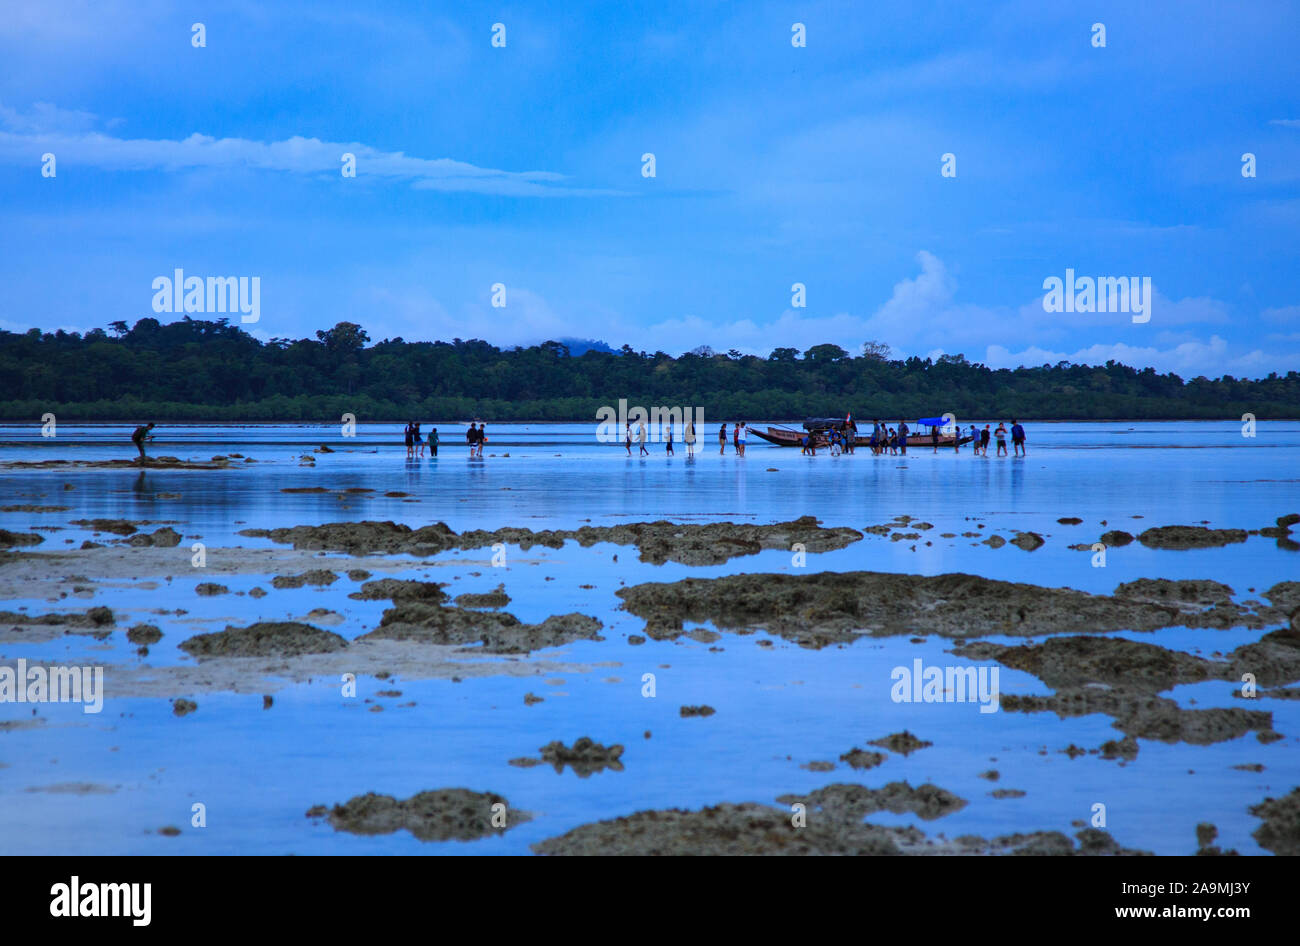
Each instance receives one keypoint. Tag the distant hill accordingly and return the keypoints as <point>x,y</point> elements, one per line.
<point>580,346</point>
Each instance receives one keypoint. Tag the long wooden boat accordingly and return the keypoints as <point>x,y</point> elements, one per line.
<point>786,437</point>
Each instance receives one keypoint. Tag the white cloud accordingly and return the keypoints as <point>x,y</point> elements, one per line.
<point>46,129</point>
<point>923,317</point>
<point>1190,359</point>
<point>44,117</point>
<point>1287,313</point>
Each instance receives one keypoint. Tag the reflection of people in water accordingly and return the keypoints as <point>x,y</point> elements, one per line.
<point>140,436</point>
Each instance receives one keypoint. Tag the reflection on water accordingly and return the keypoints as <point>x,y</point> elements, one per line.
<point>258,771</point>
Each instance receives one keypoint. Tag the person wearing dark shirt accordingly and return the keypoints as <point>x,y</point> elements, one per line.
<point>1017,438</point>
<point>139,436</point>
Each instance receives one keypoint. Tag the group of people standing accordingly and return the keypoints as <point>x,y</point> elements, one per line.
<point>475,437</point>
<point>415,442</point>
<point>980,439</point>
<point>837,441</point>
<point>889,440</point>
<point>688,437</point>
<point>738,432</point>
<point>892,441</point>
<point>884,440</point>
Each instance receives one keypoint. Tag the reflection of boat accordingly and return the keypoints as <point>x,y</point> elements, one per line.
<point>819,429</point>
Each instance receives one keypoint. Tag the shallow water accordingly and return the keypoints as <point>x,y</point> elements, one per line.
<point>777,708</point>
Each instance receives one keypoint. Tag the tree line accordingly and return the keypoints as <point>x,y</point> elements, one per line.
<point>211,370</point>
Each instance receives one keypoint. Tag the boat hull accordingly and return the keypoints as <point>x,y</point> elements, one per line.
<point>785,437</point>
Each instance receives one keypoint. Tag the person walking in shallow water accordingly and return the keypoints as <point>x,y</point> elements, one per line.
<point>689,436</point>
<point>628,441</point>
<point>139,436</point>
<point>722,439</point>
<point>1001,434</point>
<point>669,449</point>
<point>640,438</point>
<point>1017,438</point>
<point>433,442</point>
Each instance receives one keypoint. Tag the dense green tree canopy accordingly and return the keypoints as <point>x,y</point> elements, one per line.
<point>193,369</point>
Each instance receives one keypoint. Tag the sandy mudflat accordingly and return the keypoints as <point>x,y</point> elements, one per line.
<point>825,608</point>
<point>258,675</point>
<point>658,542</point>
<point>33,574</point>
<point>420,632</point>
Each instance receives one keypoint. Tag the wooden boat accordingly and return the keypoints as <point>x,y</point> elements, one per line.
<point>820,429</point>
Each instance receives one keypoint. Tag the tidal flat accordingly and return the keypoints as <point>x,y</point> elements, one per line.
<point>334,649</point>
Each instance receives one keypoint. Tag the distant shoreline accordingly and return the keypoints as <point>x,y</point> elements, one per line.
<point>244,422</point>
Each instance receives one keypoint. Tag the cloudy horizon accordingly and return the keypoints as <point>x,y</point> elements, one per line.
<point>775,165</point>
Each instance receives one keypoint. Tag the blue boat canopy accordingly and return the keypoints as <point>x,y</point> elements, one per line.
<point>932,421</point>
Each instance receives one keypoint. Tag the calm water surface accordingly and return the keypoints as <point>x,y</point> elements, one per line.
<point>258,772</point>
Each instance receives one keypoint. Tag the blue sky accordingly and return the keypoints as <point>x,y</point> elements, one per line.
<point>775,165</point>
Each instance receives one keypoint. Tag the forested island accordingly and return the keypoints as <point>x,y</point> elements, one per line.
<point>213,371</point>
